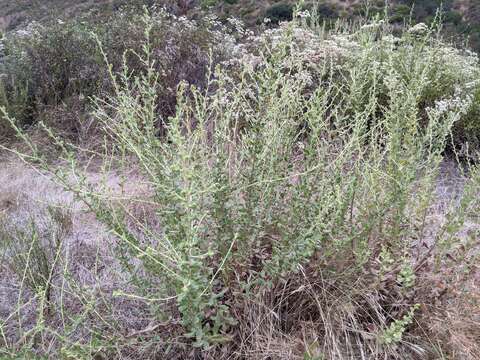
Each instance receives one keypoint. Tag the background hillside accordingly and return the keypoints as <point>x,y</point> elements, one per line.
<point>14,14</point>
<point>462,17</point>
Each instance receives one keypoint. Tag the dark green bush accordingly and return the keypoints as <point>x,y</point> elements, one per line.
<point>279,12</point>
<point>54,65</point>
<point>326,10</point>
<point>453,17</point>
<point>399,13</point>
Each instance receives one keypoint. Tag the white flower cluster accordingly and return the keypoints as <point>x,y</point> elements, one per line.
<point>222,40</point>
<point>212,20</point>
<point>454,104</point>
<point>239,27</point>
<point>372,26</point>
<point>464,63</point>
<point>391,40</point>
<point>303,14</point>
<point>28,32</point>
<point>307,50</point>
<point>418,29</point>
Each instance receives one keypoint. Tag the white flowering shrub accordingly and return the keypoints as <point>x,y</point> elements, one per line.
<point>444,73</point>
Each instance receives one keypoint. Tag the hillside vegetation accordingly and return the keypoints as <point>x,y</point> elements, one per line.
<point>177,185</point>
<point>461,18</point>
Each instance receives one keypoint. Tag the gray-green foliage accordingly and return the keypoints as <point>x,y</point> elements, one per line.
<point>306,157</point>
<point>14,90</point>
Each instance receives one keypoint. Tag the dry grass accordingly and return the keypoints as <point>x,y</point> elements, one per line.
<point>87,270</point>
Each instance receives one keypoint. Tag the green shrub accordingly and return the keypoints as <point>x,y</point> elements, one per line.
<point>290,192</point>
<point>453,17</point>
<point>466,132</point>
<point>324,11</point>
<point>56,64</point>
<point>63,60</point>
<point>14,97</point>
<point>279,12</point>
<point>15,94</point>
<point>208,3</point>
<point>400,13</point>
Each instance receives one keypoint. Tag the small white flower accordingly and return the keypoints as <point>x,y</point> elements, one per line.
<point>419,29</point>
<point>373,25</point>
<point>303,14</point>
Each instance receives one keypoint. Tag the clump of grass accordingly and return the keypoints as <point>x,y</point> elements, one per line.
<point>291,193</point>
<point>31,252</point>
